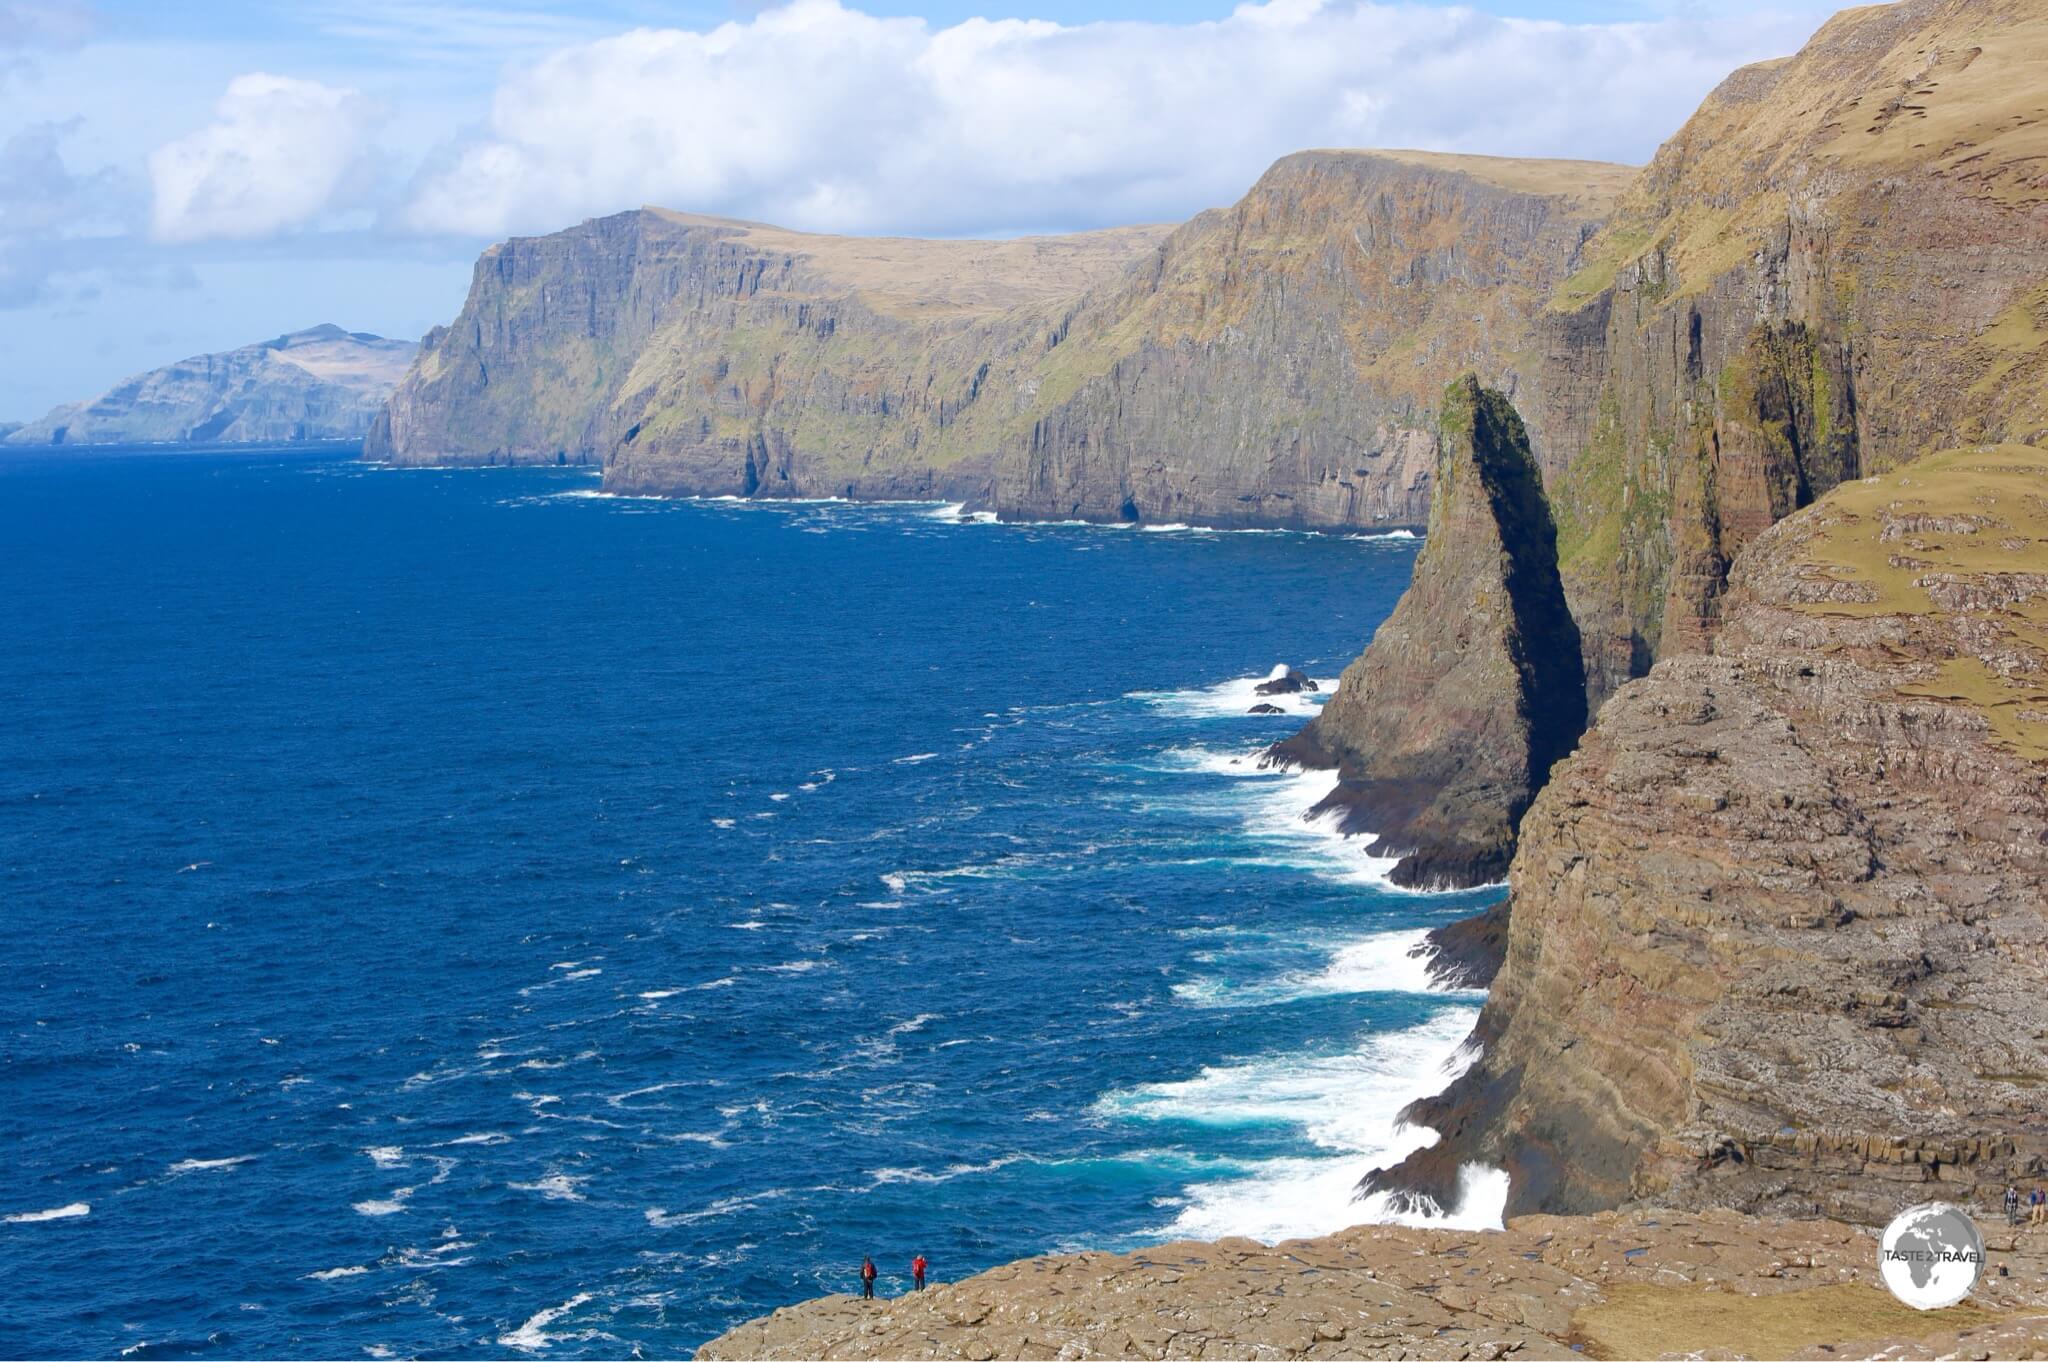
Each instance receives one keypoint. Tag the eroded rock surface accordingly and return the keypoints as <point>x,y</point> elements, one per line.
<point>1834,267</point>
<point>1448,724</point>
<point>1778,937</point>
<point>1637,1284</point>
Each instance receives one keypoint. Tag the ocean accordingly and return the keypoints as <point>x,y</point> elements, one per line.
<point>456,913</point>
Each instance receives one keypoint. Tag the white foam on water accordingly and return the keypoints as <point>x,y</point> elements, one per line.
<point>481,1137</point>
<point>555,1186</point>
<point>1384,537</point>
<point>1385,962</point>
<point>183,1166</point>
<point>1348,1104</point>
<point>913,758</point>
<point>336,1273</point>
<point>1482,1203</point>
<point>532,1336</point>
<point>1177,527</point>
<point>1234,698</point>
<point>390,1205</point>
<point>655,995</point>
<point>70,1212</point>
<point>882,1177</point>
<point>956,512</point>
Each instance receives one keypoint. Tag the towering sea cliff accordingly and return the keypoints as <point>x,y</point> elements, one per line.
<point>322,383</point>
<point>1777,939</point>
<point>1275,363</point>
<point>1834,266</point>
<point>1443,731</point>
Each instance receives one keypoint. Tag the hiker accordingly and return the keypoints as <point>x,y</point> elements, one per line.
<point>918,1265</point>
<point>867,1279</point>
<point>2012,1204</point>
<point>2037,1207</point>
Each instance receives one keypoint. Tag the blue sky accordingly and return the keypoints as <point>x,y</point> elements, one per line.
<point>177,178</point>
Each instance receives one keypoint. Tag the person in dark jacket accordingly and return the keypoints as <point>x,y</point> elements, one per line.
<point>867,1279</point>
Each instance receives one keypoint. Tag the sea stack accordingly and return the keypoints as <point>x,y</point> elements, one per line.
<point>1448,724</point>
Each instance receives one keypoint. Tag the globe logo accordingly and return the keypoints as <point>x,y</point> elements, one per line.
<point>1931,1255</point>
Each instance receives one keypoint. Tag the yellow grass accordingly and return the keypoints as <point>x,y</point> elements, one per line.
<point>1679,1321</point>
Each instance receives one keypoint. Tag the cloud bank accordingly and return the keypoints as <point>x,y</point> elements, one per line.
<point>818,116</point>
<point>279,153</point>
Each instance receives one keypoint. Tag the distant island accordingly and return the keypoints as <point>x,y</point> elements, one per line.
<point>322,383</point>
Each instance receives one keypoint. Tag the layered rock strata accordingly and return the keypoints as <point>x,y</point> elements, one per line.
<point>1778,938</point>
<point>1833,267</point>
<point>1448,724</point>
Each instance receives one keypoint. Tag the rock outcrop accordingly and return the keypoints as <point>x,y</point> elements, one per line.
<point>322,383</point>
<point>1275,363</point>
<point>1642,1285</point>
<point>1778,938</point>
<point>1448,724</point>
<point>1833,267</point>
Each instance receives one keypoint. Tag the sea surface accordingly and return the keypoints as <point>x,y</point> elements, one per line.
<point>457,913</point>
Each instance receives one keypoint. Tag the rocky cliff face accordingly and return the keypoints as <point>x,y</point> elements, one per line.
<point>323,383</point>
<point>1833,267</point>
<point>1272,364</point>
<point>1778,938</point>
<point>1443,731</point>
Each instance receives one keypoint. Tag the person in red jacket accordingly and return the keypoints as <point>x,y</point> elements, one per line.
<point>917,1267</point>
<point>867,1279</point>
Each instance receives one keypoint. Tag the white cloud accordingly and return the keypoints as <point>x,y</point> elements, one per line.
<point>279,153</point>
<point>814,115</point>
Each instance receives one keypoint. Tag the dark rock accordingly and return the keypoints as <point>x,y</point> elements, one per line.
<point>1443,731</point>
<point>1265,709</point>
<point>1468,953</point>
<point>1292,681</point>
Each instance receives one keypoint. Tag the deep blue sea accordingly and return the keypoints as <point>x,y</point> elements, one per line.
<point>456,913</point>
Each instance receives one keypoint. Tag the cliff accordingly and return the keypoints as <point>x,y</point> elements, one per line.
<point>1640,1285</point>
<point>1275,363</point>
<point>1833,267</point>
<point>1777,939</point>
<point>322,383</point>
<point>1448,724</point>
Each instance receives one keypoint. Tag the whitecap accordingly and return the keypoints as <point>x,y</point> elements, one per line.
<point>1384,537</point>
<point>336,1273</point>
<point>914,758</point>
<point>183,1166</point>
<point>386,1155</point>
<point>391,1205</point>
<point>532,1336</point>
<point>555,1186</point>
<point>882,1177</point>
<point>70,1212</point>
